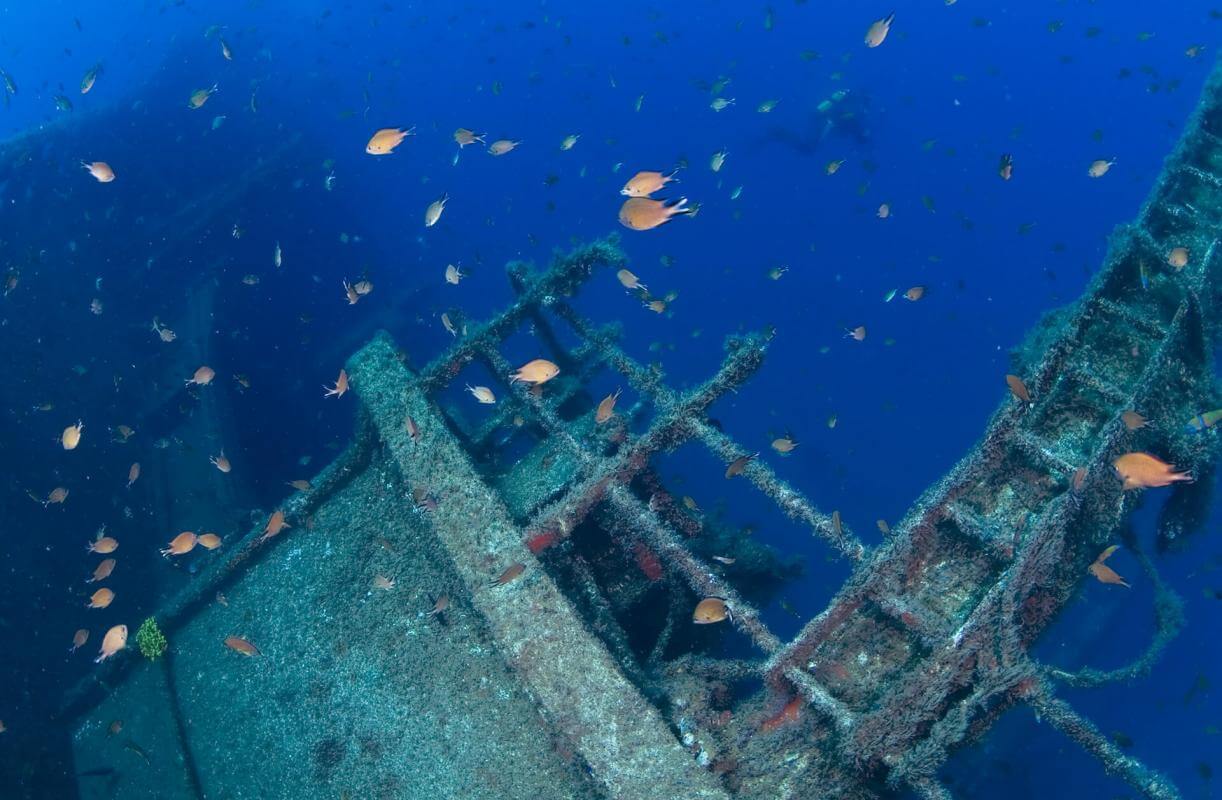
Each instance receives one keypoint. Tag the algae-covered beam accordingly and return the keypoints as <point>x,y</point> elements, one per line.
<point>928,788</point>
<point>1061,716</point>
<point>563,278</point>
<point>760,475</point>
<point>606,482</point>
<point>667,431</point>
<point>788,499</point>
<point>992,622</point>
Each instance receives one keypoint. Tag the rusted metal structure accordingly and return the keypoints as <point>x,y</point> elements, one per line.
<point>925,645</point>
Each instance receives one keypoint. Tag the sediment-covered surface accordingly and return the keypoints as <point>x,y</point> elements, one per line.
<point>357,691</point>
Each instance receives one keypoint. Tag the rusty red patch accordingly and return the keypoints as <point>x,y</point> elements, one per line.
<point>648,561</point>
<point>541,541</point>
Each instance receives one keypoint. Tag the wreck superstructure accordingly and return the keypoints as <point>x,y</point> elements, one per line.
<point>547,675</point>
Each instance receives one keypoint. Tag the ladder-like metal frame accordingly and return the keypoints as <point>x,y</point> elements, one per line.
<point>970,669</point>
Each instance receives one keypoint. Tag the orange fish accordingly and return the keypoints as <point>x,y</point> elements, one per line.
<point>202,376</point>
<point>103,545</point>
<point>182,543</point>
<point>220,462</point>
<point>915,293</point>
<point>71,436</point>
<point>1105,574</point>
<point>630,281</point>
<point>737,466</point>
<point>385,140</point>
<point>199,97</point>
<point>784,445</point>
<point>340,387</point>
<point>1144,471</point>
<point>535,372</point>
<point>102,571</point>
<point>511,574</point>
<point>301,485</point>
<point>465,137</point>
<point>643,184</point>
<point>440,606</point>
<point>209,541</point>
<point>876,34</point>
<point>101,598</point>
<point>78,640</point>
<point>133,473</point>
<point>711,610</point>
<point>275,524</point>
<point>1018,388</point>
<point>1133,421</point>
<point>502,146</point>
<point>241,645</point>
<point>643,214</point>
<point>114,641</point>
<point>384,583</point>
<point>1006,168</point>
<point>1099,168</point>
<point>482,393</point>
<point>1178,258</point>
<point>100,170</point>
<point>857,334</point>
<point>606,408</point>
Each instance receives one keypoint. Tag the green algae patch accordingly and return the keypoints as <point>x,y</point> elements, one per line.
<point>151,640</point>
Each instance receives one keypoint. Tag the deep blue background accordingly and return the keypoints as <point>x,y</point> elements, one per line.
<point>950,90</point>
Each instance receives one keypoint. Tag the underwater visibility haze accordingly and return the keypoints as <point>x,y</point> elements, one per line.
<point>792,399</point>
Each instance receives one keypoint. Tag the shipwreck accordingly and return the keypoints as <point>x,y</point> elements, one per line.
<point>550,674</point>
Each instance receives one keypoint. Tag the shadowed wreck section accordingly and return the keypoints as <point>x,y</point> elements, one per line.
<point>566,663</point>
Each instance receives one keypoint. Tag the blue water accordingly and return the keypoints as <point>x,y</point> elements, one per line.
<point>950,90</point>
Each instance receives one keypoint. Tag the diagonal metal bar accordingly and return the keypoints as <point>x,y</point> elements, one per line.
<point>1061,716</point>
<point>758,473</point>
<point>606,481</point>
<point>667,431</point>
<point>565,277</point>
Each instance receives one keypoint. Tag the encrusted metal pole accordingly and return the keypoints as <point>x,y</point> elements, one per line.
<point>565,276</point>
<point>1069,722</point>
<point>758,473</point>
<point>607,480</point>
